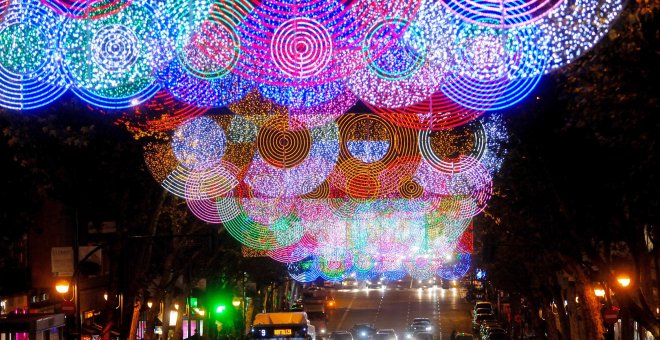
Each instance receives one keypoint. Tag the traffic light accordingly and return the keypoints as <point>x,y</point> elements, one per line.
<point>219,304</point>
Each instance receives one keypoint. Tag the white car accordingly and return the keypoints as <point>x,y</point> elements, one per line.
<point>385,334</point>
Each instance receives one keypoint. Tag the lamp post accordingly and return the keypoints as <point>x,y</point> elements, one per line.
<point>623,280</point>
<point>68,306</point>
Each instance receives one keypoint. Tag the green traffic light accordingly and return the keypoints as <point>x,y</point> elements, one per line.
<point>220,309</point>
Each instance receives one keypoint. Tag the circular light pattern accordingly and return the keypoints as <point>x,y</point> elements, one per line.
<point>401,45</point>
<point>211,51</point>
<point>282,146</point>
<point>198,70</point>
<point>288,42</point>
<point>199,143</point>
<point>501,13</point>
<point>114,47</point>
<point>109,61</point>
<point>300,166</point>
<point>29,74</point>
<point>495,68</point>
<point>576,26</point>
<point>301,47</point>
<point>370,147</point>
<point>454,150</point>
<point>87,9</point>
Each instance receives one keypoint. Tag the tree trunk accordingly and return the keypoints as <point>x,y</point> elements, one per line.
<point>135,319</point>
<point>178,329</point>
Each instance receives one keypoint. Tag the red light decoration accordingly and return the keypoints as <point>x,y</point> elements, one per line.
<point>160,114</point>
<point>437,112</point>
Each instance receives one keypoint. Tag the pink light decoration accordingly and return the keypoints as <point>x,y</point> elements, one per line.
<point>212,183</point>
<point>290,43</point>
<point>206,210</point>
<point>295,252</point>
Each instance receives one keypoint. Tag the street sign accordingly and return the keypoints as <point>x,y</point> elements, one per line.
<point>611,315</point>
<point>68,307</point>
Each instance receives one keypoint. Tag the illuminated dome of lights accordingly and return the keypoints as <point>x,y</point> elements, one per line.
<point>248,111</point>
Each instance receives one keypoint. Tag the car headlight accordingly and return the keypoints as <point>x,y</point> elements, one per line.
<point>428,328</point>
<point>323,331</point>
<point>363,334</point>
<point>408,336</point>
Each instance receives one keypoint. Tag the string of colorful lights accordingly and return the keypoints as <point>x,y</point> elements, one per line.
<point>303,55</point>
<point>292,173</point>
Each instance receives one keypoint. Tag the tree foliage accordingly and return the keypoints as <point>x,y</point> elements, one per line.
<point>581,178</point>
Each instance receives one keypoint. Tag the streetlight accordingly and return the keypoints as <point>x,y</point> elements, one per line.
<point>623,280</point>
<point>62,287</point>
<point>599,291</point>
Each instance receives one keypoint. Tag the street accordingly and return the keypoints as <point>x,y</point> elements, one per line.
<point>392,308</point>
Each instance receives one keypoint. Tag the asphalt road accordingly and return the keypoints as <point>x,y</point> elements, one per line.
<point>395,308</point>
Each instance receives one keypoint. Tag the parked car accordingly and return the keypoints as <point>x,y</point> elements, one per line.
<point>483,304</point>
<point>486,325</point>
<point>497,336</point>
<point>479,318</point>
<point>341,335</point>
<point>363,331</point>
<point>494,332</point>
<point>464,336</point>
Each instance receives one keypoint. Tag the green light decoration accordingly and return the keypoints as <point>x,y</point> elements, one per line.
<point>32,53</point>
<point>109,62</point>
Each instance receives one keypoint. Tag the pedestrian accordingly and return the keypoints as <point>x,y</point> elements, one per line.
<point>453,335</point>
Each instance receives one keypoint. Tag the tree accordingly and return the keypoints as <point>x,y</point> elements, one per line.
<point>581,178</point>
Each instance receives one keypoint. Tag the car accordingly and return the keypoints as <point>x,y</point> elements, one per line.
<point>349,283</point>
<point>341,335</point>
<point>329,284</point>
<point>422,336</point>
<point>447,284</point>
<point>385,334</point>
<point>483,311</point>
<point>494,332</point>
<point>479,318</point>
<point>422,320</point>
<point>497,336</point>
<point>483,304</point>
<point>486,325</point>
<point>423,324</point>
<point>363,330</point>
<point>416,328</point>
